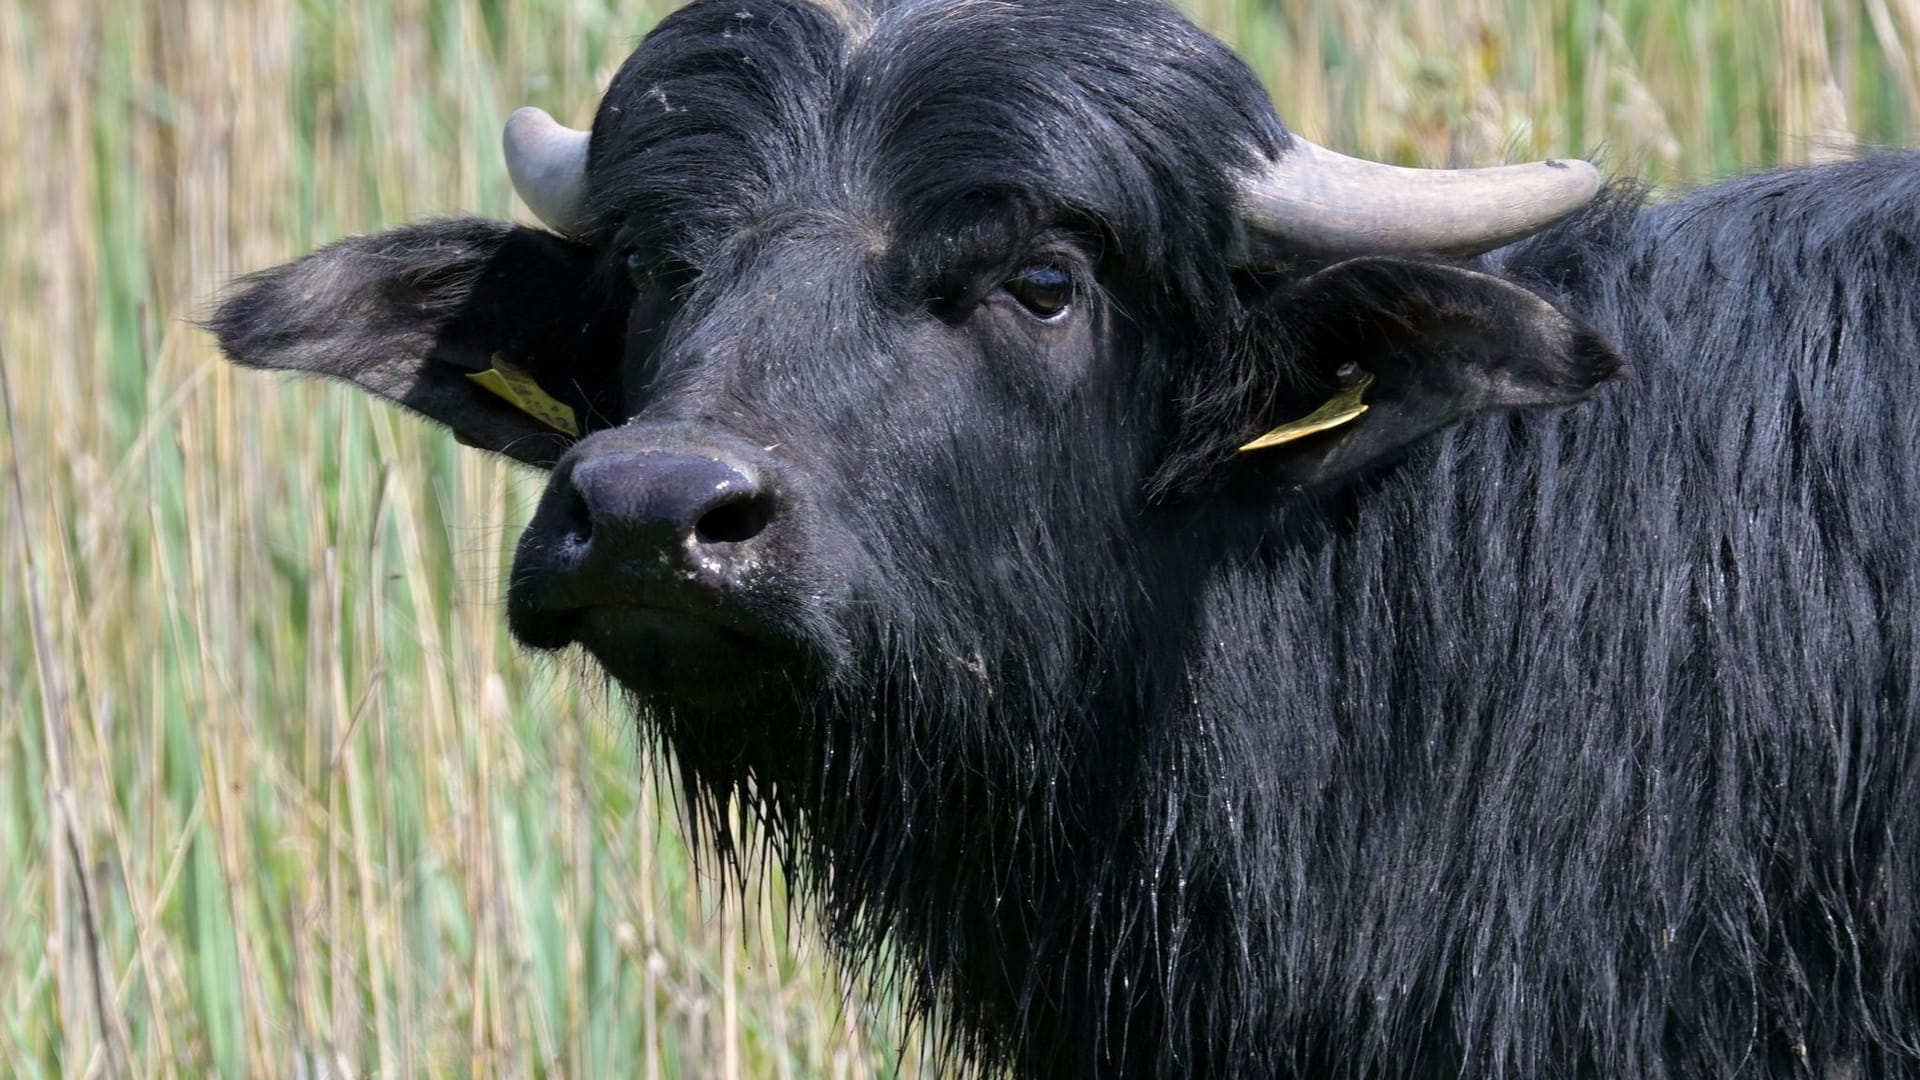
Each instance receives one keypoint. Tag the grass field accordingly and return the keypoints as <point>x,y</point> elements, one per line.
<point>277,798</point>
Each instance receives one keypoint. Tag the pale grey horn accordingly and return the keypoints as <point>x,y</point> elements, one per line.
<point>1328,203</point>
<point>548,163</point>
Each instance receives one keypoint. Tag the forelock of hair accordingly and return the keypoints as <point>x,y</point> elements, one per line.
<point>1115,116</point>
<point>722,108</point>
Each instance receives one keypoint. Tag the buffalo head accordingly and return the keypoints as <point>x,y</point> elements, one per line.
<point>868,335</point>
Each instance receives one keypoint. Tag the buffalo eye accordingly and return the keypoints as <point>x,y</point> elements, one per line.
<point>639,271</point>
<point>1045,290</point>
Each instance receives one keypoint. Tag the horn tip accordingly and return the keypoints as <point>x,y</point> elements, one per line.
<point>527,125</point>
<point>527,115</point>
<point>1581,175</point>
<point>547,162</point>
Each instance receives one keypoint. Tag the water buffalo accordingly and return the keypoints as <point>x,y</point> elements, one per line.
<point>1195,603</point>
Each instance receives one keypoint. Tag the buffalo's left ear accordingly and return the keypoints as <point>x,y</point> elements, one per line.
<point>500,332</point>
<point>1391,350</point>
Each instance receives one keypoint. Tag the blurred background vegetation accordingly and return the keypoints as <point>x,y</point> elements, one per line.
<point>277,798</point>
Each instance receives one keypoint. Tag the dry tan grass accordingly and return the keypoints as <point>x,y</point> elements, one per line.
<point>279,798</point>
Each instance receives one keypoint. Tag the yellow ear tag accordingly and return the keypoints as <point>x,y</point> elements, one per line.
<point>1342,408</point>
<point>518,389</point>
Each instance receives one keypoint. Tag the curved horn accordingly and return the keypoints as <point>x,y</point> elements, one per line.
<point>548,163</point>
<point>1314,198</point>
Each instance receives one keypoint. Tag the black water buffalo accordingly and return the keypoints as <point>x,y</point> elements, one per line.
<point>1539,701</point>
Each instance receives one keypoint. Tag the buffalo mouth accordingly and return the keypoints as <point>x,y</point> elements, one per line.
<point>658,652</point>
<point>664,650</point>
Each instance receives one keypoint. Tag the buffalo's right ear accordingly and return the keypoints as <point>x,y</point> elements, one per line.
<point>498,331</point>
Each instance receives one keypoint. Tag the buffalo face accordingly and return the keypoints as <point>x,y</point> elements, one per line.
<point>899,353</point>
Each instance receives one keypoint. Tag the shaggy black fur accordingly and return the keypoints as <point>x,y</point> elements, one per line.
<point>1558,719</point>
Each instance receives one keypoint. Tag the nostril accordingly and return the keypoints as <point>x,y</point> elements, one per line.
<point>735,521</point>
<point>574,520</point>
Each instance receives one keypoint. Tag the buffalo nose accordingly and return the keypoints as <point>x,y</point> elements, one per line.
<point>628,533</point>
<point>640,502</point>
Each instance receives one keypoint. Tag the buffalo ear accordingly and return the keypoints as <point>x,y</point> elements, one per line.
<point>1431,343</point>
<point>413,314</point>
